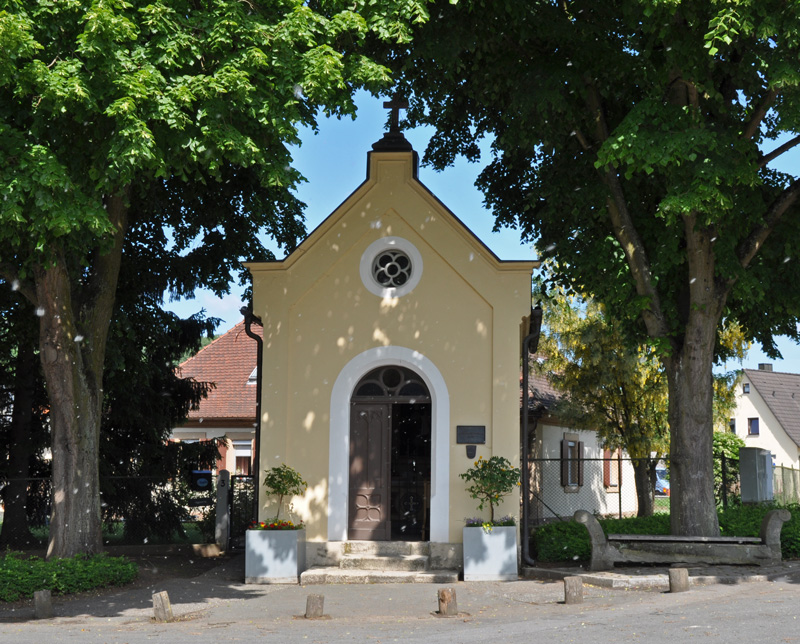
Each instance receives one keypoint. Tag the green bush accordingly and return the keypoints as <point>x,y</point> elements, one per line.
<point>569,541</point>
<point>727,444</point>
<point>561,541</point>
<point>656,524</point>
<point>21,577</point>
<point>745,521</point>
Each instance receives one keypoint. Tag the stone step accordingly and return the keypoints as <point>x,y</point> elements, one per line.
<point>314,576</point>
<point>387,548</point>
<point>373,562</point>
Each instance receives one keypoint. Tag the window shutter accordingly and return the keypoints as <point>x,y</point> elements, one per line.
<point>580,463</point>
<point>564,463</point>
<point>606,468</point>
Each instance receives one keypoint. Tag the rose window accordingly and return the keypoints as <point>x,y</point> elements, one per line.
<point>392,268</point>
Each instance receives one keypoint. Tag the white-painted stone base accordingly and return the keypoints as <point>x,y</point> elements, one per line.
<point>490,556</point>
<point>274,556</point>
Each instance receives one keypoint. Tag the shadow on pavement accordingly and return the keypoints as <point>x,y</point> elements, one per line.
<point>193,583</point>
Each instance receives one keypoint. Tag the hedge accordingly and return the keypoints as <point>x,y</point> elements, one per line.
<point>569,541</point>
<point>21,577</point>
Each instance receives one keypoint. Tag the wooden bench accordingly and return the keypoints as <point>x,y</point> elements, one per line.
<point>668,549</point>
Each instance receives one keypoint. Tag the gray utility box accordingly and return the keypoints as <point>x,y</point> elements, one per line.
<point>755,472</point>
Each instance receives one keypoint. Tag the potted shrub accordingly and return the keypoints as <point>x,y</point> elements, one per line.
<point>275,550</point>
<point>490,547</point>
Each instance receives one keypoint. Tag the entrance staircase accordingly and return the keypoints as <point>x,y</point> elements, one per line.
<point>381,562</point>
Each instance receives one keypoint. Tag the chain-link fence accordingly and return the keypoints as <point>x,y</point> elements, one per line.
<point>727,483</point>
<point>786,484</point>
<point>604,486</point>
<point>134,509</point>
<point>619,487</point>
<point>243,511</point>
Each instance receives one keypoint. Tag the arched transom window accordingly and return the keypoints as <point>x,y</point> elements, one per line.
<point>392,382</point>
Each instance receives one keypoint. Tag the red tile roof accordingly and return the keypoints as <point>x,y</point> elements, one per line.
<point>541,392</point>
<point>227,362</point>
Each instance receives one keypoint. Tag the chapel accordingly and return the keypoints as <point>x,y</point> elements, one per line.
<point>391,362</point>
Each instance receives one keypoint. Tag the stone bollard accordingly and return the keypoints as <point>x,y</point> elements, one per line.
<point>678,580</point>
<point>162,609</point>
<point>222,527</point>
<point>448,606</point>
<point>573,590</point>
<point>314,606</point>
<point>42,604</point>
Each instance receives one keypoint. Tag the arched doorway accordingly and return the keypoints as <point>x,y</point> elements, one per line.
<point>390,456</point>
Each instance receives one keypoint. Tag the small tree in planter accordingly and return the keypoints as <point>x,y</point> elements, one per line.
<point>275,551</point>
<point>489,481</point>
<point>283,481</point>
<point>490,554</point>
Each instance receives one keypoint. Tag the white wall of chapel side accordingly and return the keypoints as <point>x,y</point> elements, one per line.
<point>339,455</point>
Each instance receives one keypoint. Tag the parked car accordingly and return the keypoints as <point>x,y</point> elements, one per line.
<point>662,483</point>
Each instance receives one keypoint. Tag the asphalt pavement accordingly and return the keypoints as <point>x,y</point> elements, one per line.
<point>741,605</point>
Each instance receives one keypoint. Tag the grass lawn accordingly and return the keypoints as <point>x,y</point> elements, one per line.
<point>662,504</point>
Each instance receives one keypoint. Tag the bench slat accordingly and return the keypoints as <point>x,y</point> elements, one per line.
<point>668,538</point>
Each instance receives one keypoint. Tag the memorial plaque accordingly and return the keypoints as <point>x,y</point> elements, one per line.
<point>471,434</point>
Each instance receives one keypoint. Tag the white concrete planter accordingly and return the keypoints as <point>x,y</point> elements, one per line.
<point>490,556</point>
<point>274,556</point>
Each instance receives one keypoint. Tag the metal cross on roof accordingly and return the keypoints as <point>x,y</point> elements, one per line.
<point>396,104</point>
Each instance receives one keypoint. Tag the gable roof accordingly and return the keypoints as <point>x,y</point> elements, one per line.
<point>344,208</point>
<point>541,392</point>
<point>227,362</point>
<point>781,393</point>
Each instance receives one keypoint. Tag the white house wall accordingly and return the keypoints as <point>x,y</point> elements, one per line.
<point>771,435</point>
<point>592,495</point>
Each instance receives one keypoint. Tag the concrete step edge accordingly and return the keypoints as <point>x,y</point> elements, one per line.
<point>387,548</point>
<point>315,576</point>
<point>384,562</point>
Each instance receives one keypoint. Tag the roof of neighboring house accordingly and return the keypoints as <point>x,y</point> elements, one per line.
<point>540,392</point>
<point>228,363</point>
<point>781,393</point>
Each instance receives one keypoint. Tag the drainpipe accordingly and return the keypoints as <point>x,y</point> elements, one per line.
<point>249,319</point>
<point>529,346</point>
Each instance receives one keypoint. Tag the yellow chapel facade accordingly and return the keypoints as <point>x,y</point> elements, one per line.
<point>391,361</point>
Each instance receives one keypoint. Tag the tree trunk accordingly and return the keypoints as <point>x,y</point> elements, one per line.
<point>644,478</point>
<point>692,505</point>
<point>15,531</point>
<point>75,395</point>
<point>690,384</point>
<point>75,312</point>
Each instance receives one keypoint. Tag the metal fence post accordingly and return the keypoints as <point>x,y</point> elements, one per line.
<point>724,482</point>
<point>619,481</point>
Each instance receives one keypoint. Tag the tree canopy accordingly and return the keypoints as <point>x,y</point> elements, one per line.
<point>119,118</point>
<point>617,388</point>
<point>636,141</point>
<point>609,386</point>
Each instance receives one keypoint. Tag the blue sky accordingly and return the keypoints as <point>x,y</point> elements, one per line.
<point>334,163</point>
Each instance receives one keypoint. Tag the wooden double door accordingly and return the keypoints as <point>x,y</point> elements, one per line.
<point>390,470</point>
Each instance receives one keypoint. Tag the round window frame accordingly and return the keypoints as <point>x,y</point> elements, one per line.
<point>371,254</point>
